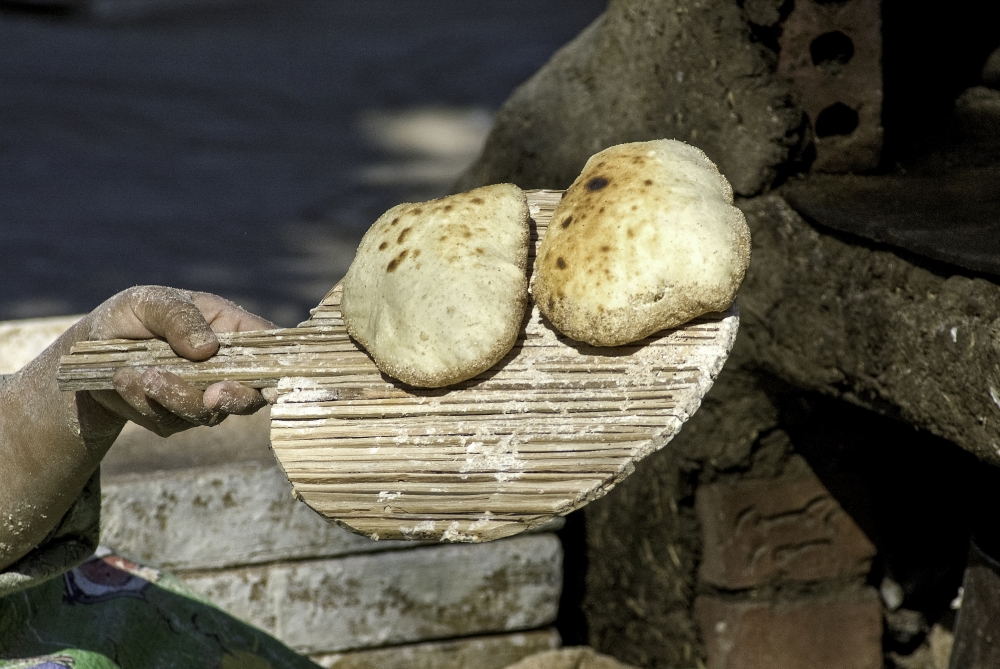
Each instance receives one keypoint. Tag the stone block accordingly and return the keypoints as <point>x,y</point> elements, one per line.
<point>842,632</point>
<point>214,517</point>
<point>762,531</point>
<point>422,594</point>
<point>221,516</point>
<point>22,340</point>
<point>832,53</point>
<point>580,657</point>
<point>484,652</point>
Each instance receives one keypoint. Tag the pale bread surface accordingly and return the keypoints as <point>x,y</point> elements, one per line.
<point>438,290</point>
<point>646,238</point>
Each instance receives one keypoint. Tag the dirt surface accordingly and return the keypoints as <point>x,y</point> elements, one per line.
<point>242,150</point>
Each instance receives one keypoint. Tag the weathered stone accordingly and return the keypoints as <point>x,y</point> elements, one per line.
<point>643,538</point>
<point>570,658</point>
<point>484,652</point>
<point>991,70</point>
<point>842,632</point>
<point>763,531</point>
<point>647,70</point>
<point>238,439</point>
<point>933,653</point>
<point>832,52</point>
<point>22,340</point>
<point>977,640</point>
<point>214,517</point>
<point>870,327</point>
<point>221,516</point>
<point>765,13</point>
<point>364,601</point>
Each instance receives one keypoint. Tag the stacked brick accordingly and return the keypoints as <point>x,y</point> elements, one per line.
<point>832,53</point>
<point>782,578</point>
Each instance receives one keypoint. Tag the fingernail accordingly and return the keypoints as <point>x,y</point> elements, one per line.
<point>201,338</point>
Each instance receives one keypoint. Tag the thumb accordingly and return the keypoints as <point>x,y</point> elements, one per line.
<point>171,314</point>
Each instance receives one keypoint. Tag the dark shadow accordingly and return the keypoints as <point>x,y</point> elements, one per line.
<point>915,495</point>
<point>572,622</point>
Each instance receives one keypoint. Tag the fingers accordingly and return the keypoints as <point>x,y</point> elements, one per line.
<point>172,314</point>
<point>161,402</point>
<point>187,321</point>
<point>229,397</point>
<point>129,400</point>
<point>225,316</point>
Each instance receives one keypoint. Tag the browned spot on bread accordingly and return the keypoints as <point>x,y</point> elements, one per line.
<point>552,304</point>
<point>402,235</point>
<point>605,248</point>
<point>565,224</point>
<point>648,182</point>
<point>630,232</point>
<point>560,263</point>
<point>447,207</point>
<point>478,200</point>
<point>395,221</point>
<point>381,247</point>
<point>442,238</point>
<point>416,252</point>
<point>394,263</point>
<point>418,211</point>
<point>597,183</point>
<point>479,251</point>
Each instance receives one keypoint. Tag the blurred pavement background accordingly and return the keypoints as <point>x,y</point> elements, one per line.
<point>241,150</point>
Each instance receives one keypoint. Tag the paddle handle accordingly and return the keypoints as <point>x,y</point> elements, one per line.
<point>256,359</point>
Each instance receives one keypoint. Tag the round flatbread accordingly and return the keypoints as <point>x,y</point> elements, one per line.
<point>438,290</point>
<point>646,238</point>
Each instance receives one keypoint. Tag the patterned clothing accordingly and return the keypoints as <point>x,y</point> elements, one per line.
<point>110,613</point>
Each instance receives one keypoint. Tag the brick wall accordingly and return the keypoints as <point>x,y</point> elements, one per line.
<point>781,578</point>
<point>832,53</point>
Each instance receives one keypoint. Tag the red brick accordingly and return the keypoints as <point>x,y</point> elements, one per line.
<point>761,531</point>
<point>832,633</point>
<point>856,84</point>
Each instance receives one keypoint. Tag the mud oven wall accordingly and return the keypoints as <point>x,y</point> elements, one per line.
<point>817,510</point>
<point>807,515</point>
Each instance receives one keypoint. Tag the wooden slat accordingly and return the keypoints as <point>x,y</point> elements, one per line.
<point>553,425</point>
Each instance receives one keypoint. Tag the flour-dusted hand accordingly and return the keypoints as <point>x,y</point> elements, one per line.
<point>156,399</point>
<point>52,442</point>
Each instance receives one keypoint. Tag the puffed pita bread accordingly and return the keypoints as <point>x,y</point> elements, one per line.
<point>646,238</point>
<point>438,290</point>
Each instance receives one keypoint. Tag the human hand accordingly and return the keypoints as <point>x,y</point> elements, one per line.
<point>158,400</point>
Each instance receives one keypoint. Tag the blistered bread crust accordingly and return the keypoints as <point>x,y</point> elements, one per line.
<point>438,290</point>
<point>645,239</point>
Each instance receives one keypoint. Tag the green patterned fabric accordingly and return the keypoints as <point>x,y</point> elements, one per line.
<point>110,613</point>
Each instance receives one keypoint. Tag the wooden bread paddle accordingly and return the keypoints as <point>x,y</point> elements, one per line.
<point>552,426</point>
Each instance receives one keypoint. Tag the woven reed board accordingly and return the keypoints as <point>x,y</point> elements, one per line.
<point>551,427</point>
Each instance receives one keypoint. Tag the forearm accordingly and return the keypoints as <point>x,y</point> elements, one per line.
<point>51,442</point>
